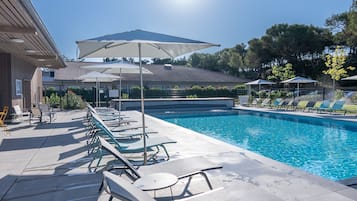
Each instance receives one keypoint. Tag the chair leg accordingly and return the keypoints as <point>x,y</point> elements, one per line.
<point>101,186</point>
<point>167,154</point>
<point>207,180</point>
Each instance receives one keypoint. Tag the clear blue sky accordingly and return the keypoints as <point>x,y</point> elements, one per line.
<point>226,22</point>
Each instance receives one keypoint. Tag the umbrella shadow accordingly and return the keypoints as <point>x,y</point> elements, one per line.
<point>48,187</point>
<point>37,142</point>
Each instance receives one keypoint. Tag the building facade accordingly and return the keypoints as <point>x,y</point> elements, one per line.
<point>25,46</point>
<point>162,77</point>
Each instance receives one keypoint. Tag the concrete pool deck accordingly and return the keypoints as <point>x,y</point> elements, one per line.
<point>49,162</point>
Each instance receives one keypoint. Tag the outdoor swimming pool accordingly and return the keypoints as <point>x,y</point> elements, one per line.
<point>322,147</point>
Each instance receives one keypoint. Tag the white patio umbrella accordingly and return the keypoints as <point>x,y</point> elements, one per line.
<point>350,78</point>
<point>117,68</point>
<point>260,82</point>
<point>97,78</point>
<point>299,80</point>
<point>139,44</point>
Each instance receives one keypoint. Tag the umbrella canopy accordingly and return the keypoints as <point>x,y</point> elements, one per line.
<point>117,68</point>
<point>100,77</point>
<point>299,80</point>
<point>351,78</point>
<point>139,44</point>
<point>97,78</point>
<point>259,82</point>
<point>153,45</point>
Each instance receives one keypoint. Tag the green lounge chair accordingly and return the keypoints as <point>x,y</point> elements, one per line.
<point>152,143</point>
<point>276,103</point>
<point>309,105</point>
<point>324,105</point>
<point>336,106</point>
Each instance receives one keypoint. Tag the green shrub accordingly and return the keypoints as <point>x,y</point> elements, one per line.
<point>274,95</point>
<point>192,96</point>
<point>262,94</point>
<point>54,100</point>
<point>72,101</point>
<point>354,99</point>
<point>339,94</point>
<point>124,96</point>
<point>135,92</point>
<point>49,91</point>
<point>154,93</point>
<point>239,86</point>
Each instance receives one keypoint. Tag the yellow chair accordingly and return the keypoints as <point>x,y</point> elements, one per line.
<point>3,115</point>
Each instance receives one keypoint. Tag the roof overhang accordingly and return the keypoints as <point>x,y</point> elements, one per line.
<point>23,34</point>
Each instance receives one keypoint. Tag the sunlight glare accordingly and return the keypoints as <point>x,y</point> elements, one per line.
<point>182,3</point>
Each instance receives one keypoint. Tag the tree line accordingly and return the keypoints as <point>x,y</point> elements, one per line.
<point>297,48</point>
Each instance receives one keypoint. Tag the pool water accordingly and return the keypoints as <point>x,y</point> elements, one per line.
<point>322,147</point>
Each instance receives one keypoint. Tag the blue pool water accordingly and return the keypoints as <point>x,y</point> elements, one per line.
<point>322,147</point>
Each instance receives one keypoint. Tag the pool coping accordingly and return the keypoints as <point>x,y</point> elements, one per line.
<point>334,117</point>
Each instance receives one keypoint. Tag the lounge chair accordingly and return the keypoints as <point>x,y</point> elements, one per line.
<point>278,103</point>
<point>336,106</point>
<point>35,114</point>
<point>266,102</point>
<point>127,131</point>
<point>324,105</point>
<point>291,105</point>
<point>255,102</point>
<point>19,113</point>
<point>104,111</point>
<point>3,115</point>
<point>243,100</point>
<point>152,143</point>
<point>110,117</point>
<point>306,105</point>
<point>46,111</point>
<point>122,189</point>
<point>182,168</point>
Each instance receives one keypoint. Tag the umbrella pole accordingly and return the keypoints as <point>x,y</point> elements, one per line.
<point>298,88</point>
<point>142,103</point>
<point>119,107</point>
<point>96,92</point>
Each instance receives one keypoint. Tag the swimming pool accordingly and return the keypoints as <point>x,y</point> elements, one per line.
<point>322,147</point>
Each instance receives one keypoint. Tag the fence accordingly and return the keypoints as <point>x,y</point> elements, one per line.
<point>315,93</point>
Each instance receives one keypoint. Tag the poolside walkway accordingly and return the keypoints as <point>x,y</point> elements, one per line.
<point>50,162</point>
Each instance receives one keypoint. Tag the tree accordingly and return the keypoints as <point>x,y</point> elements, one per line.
<point>335,64</point>
<point>235,63</point>
<point>300,45</point>
<point>280,73</point>
<point>344,25</point>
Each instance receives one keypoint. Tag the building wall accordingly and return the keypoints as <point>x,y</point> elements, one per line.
<point>5,80</point>
<point>20,82</point>
<point>36,87</point>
